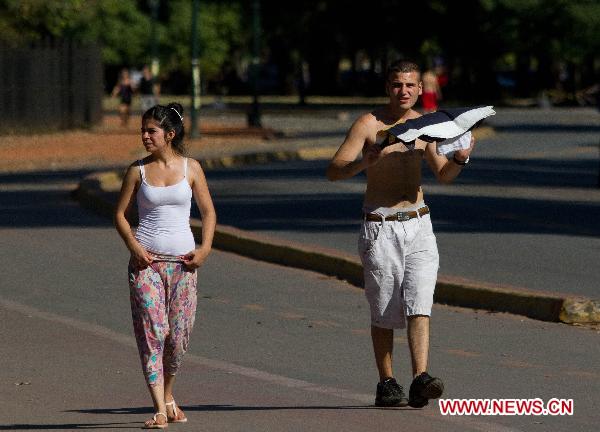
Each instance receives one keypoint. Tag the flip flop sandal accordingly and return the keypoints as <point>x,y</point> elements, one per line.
<point>175,420</point>
<point>155,425</point>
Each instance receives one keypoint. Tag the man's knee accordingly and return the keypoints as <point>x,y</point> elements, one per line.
<point>417,320</point>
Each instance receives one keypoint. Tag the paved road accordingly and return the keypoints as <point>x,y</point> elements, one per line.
<point>524,213</point>
<point>275,348</point>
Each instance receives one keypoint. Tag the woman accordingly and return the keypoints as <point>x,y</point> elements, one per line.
<point>164,257</point>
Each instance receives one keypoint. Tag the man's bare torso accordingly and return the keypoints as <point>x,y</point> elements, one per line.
<point>395,181</point>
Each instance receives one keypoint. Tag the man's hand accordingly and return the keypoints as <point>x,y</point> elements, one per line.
<point>463,155</point>
<point>372,153</point>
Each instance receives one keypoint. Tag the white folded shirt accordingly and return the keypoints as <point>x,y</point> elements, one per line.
<point>450,145</point>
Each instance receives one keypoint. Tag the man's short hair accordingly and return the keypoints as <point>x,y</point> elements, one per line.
<point>402,66</point>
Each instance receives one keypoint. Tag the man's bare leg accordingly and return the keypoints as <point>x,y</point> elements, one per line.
<point>424,386</point>
<point>389,392</point>
<point>418,342</point>
<point>383,345</point>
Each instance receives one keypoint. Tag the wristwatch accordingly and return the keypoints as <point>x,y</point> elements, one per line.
<point>456,161</point>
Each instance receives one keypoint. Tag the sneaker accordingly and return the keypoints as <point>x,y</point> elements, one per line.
<point>390,394</point>
<point>423,388</point>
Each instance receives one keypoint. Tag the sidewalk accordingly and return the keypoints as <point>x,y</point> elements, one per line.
<point>110,145</point>
<point>66,393</point>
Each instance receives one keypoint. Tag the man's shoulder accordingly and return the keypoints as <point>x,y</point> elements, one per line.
<point>367,121</point>
<point>368,117</point>
<point>377,117</point>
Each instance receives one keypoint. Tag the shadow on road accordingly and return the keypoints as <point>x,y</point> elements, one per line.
<point>280,201</point>
<point>218,408</point>
<point>554,128</point>
<point>71,426</point>
<point>43,199</point>
<point>190,408</point>
<point>272,207</point>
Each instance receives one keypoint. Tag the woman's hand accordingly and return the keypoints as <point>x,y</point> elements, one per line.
<point>194,259</point>
<point>140,257</point>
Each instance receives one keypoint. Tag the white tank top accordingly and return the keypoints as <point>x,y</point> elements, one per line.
<point>164,216</point>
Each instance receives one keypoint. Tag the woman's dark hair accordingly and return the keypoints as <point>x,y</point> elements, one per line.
<point>169,118</point>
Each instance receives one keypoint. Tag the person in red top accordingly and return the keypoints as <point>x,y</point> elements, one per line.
<point>431,91</point>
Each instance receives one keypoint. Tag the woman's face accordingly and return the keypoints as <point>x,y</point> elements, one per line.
<point>154,137</point>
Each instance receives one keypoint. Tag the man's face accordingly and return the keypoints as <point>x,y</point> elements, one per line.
<point>404,88</point>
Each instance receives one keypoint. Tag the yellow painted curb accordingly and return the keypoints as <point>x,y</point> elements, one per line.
<point>317,153</point>
<point>580,311</point>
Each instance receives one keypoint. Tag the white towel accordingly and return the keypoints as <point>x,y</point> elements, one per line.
<point>450,145</point>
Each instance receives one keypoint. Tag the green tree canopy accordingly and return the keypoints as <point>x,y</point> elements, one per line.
<point>219,30</point>
<point>123,28</point>
<point>537,40</point>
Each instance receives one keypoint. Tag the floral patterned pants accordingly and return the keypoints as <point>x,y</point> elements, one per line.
<point>163,308</point>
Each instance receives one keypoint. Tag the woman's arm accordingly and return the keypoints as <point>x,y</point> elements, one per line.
<point>140,257</point>
<point>195,258</point>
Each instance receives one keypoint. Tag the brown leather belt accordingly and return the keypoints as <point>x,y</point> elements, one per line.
<point>400,216</point>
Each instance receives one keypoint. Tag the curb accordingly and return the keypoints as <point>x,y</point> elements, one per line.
<point>98,192</point>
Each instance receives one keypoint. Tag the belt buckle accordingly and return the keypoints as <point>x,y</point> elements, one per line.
<point>402,216</point>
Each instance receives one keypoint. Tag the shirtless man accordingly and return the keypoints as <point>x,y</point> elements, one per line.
<point>431,91</point>
<point>397,245</point>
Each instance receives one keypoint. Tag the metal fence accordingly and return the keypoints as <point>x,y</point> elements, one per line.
<point>50,86</point>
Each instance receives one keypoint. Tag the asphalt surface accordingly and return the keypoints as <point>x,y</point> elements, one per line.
<point>274,348</point>
<point>523,214</point>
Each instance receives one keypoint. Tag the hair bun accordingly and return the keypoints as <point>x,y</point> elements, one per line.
<point>177,107</point>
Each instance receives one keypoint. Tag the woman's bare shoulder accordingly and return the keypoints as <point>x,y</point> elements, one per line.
<point>194,166</point>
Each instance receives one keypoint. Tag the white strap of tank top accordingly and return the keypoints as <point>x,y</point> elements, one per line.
<point>141,164</point>
<point>142,172</point>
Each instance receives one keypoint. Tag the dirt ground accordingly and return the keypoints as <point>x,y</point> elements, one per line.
<point>110,144</point>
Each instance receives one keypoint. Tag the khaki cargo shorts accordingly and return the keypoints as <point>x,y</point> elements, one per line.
<point>400,262</point>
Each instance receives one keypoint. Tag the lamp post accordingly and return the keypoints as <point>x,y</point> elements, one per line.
<point>195,105</point>
<point>154,66</point>
<point>598,163</point>
<point>254,114</point>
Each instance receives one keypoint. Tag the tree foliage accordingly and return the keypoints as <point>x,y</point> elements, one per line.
<point>535,40</point>
<point>124,29</point>
<point>219,30</point>
<point>540,42</point>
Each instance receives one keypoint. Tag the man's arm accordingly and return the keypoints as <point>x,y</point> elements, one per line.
<point>344,164</point>
<point>446,170</point>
